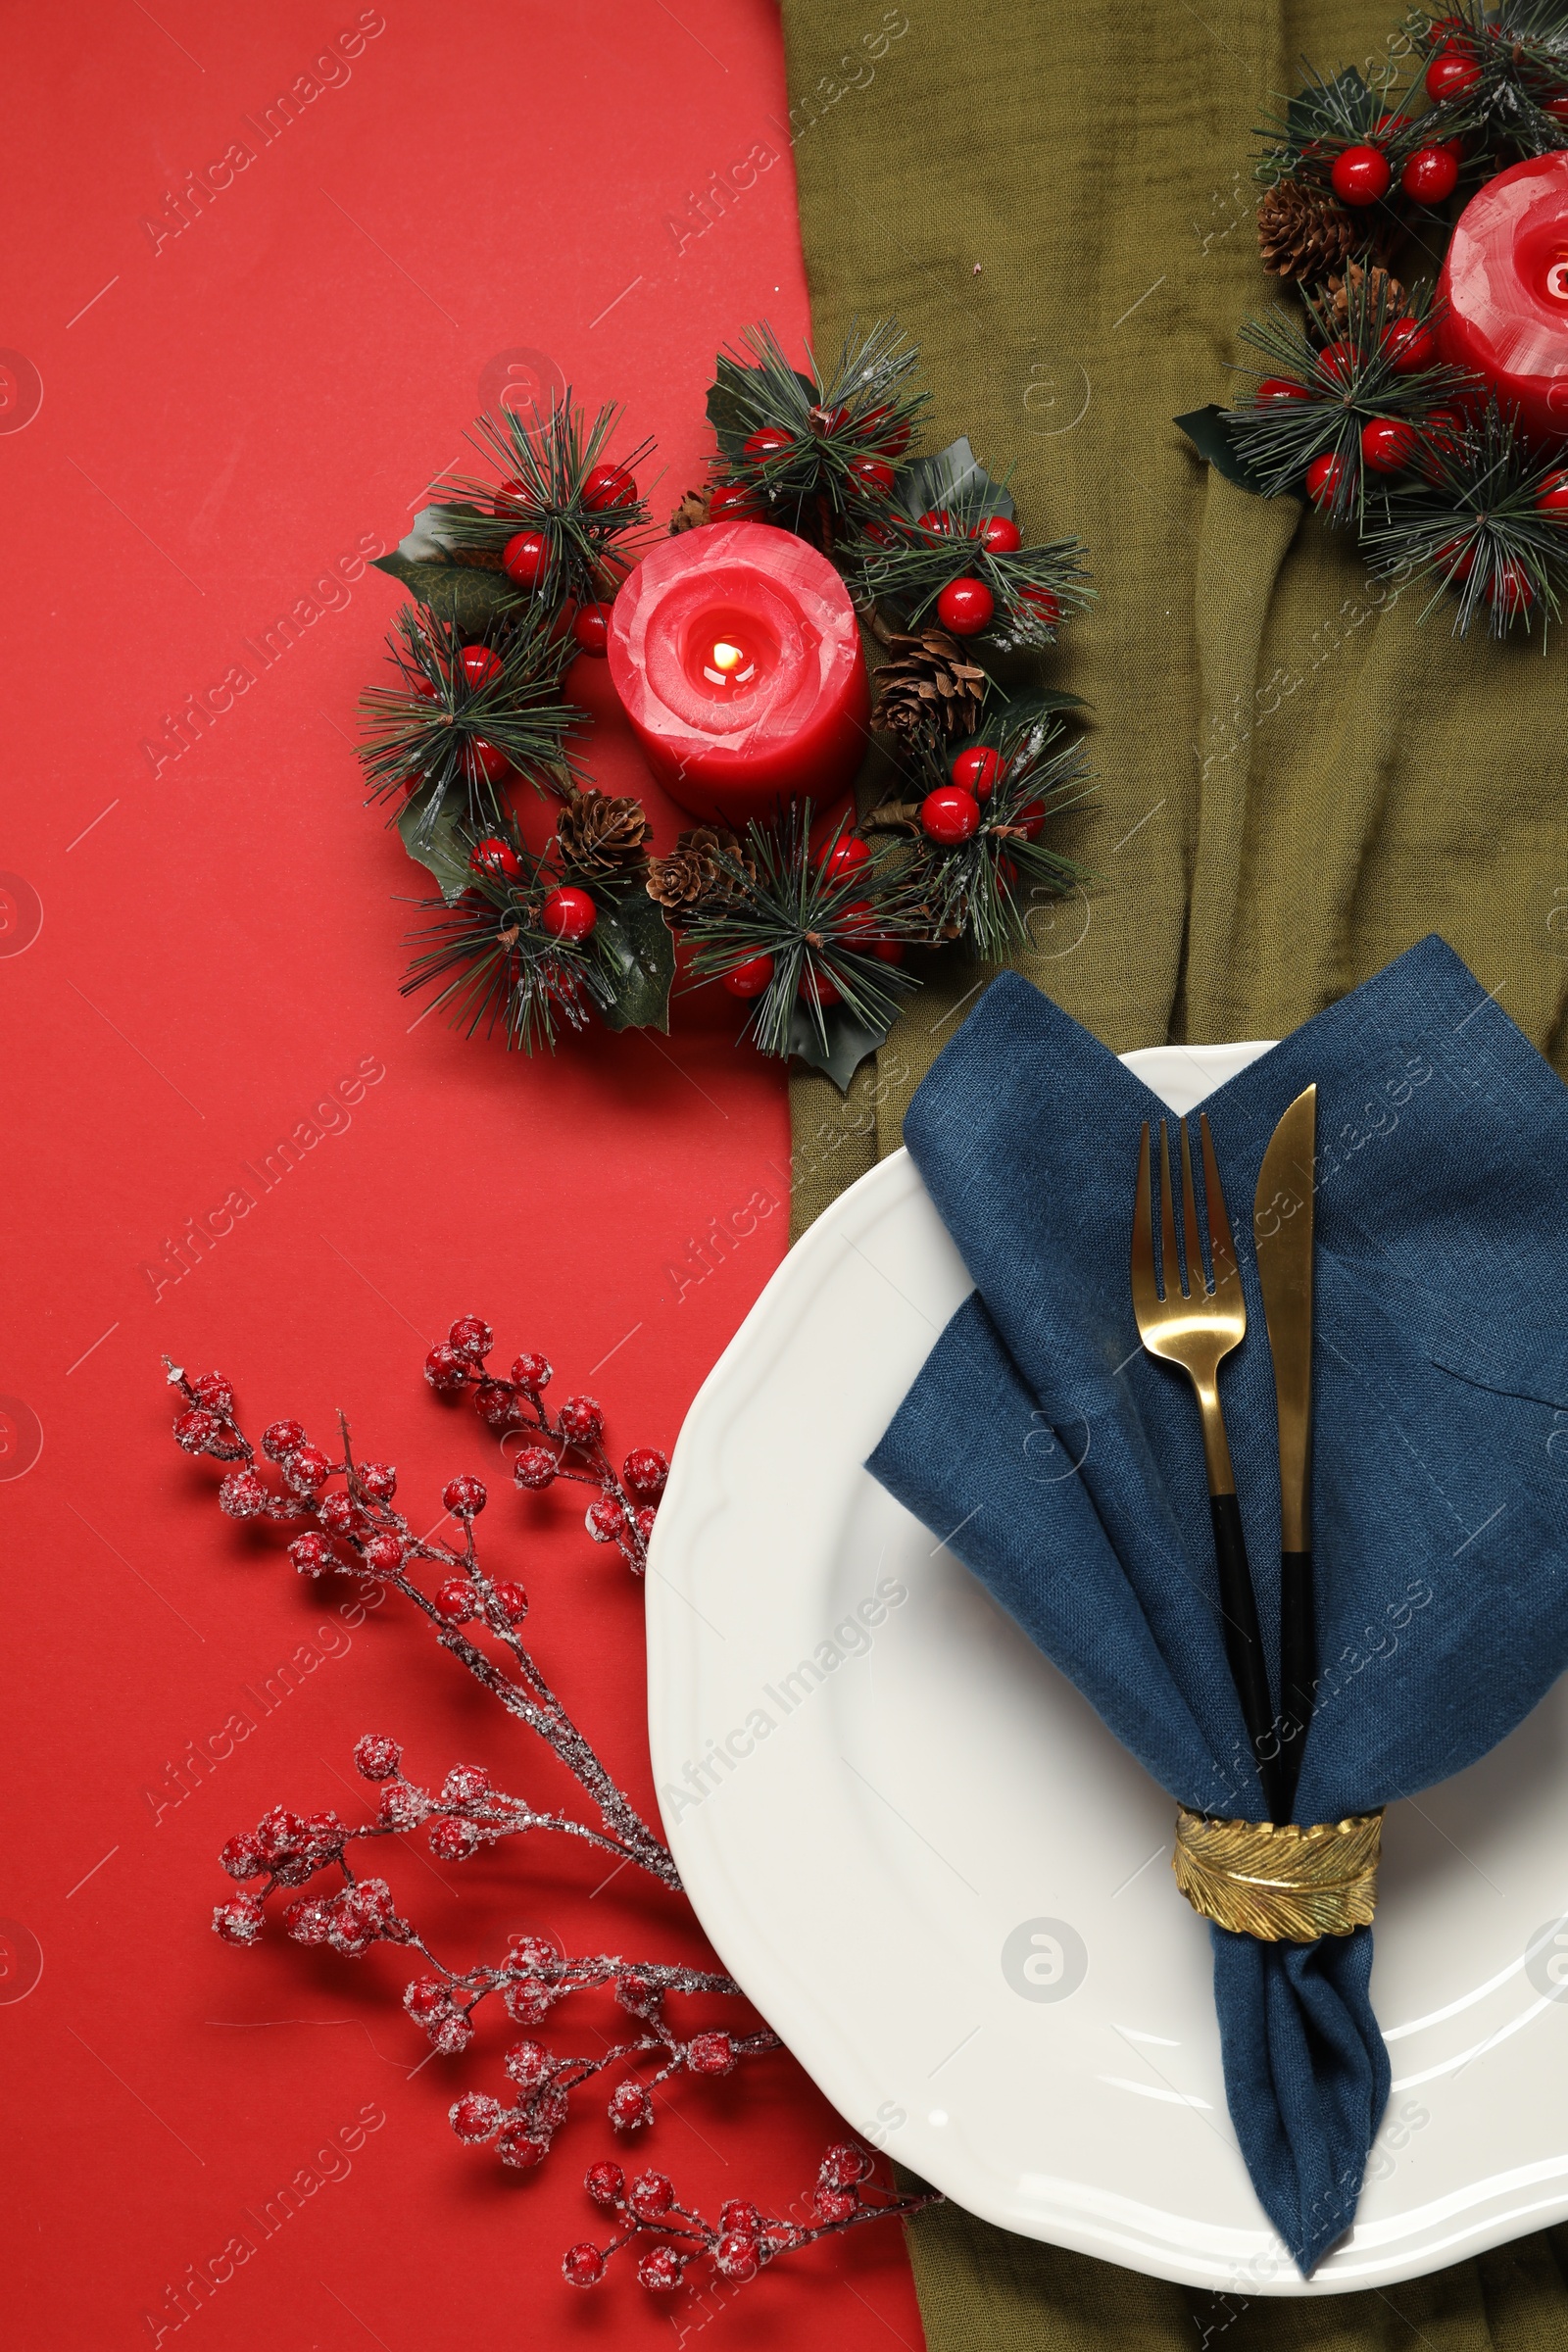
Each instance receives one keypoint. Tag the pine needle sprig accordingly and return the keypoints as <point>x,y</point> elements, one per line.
<point>542,465</point>
<point>984,890</point>
<point>1304,140</point>
<point>1032,587</point>
<point>814,481</point>
<point>821,930</point>
<point>1477,528</point>
<point>1518,54</point>
<point>1342,375</point>
<point>493,964</point>
<point>453,740</point>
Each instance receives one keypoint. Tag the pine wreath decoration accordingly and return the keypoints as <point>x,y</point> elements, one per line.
<point>1355,408</point>
<point>805,923</point>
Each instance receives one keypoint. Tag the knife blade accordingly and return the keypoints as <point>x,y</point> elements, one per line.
<point>1282,1228</point>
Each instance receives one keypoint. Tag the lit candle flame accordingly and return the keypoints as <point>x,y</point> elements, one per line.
<point>724,667</point>
<point>727,656</point>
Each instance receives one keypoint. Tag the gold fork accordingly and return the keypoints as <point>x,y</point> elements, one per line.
<point>1188,1322</point>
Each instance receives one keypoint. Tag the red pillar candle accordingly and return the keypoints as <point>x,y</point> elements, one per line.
<point>735,653</point>
<point>1505,285</point>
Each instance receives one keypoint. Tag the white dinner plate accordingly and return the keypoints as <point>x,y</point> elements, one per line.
<point>948,1887</point>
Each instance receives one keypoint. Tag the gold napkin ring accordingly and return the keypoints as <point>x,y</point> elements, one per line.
<point>1281,1885</point>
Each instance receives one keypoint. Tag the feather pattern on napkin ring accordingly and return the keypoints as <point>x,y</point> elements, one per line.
<point>1283,1885</point>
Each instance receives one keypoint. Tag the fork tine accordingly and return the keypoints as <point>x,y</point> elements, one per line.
<point>1170,1263</point>
<point>1196,1279</point>
<point>1145,1297</point>
<point>1222,1248</point>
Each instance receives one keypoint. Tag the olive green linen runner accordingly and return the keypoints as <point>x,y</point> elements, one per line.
<point>1295,780</point>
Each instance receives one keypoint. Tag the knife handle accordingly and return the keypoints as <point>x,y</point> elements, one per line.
<point>1298,1660</point>
<point>1244,1645</point>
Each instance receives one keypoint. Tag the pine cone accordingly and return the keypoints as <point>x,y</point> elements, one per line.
<point>691,879</point>
<point>1303,234</point>
<point>928,692</point>
<point>1376,283</point>
<point>692,510</point>
<point>599,834</point>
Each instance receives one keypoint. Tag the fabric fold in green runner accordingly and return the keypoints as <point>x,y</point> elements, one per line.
<point>1297,778</point>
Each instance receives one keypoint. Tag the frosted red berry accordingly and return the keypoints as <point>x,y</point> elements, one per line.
<point>242,1496</point>
<point>195,1431</point>
<point>582,1419</point>
<point>466,1784</point>
<point>528,2065</point>
<point>1361,175</point>
<point>567,913</point>
<point>531,1372</point>
<point>511,1602</point>
<point>644,1470</point>
<point>604,1519</point>
<point>309,1920</point>
<point>240,1921</point>
<point>340,1515</point>
<point>463,1497</point>
<point>530,2002</point>
<point>949,815</point>
<point>384,1554</point>
<point>521,2148</point>
<point>445,1369</point>
<point>660,2270</point>
<point>604,2183</point>
<point>526,559</point>
<point>402,1805</point>
<point>975,770</point>
<point>834,2205</point>
<point>843,2165</point>
<point>710,2055</point>
<point>583,2265</point>
<point>607,485</point>
<point>280,1437</point>
<point>215,1394</point>
<point>456,1600</point>
<point>376,1757</point>
<point>630,2107</point>
<point>313,1554</point>
<point>965,607</point>
<point>377,1479</point>
<point>650,2196</point>
<point>738,2215</point>
<point>534,1468</point>
<point>495,1405</point>
<point>737,2256</point>
<point>749,979</point>
<point>476,2116</point>
<point>307,1469</point>
<point>242,1856</point>
<point>472,1336</point>
<point>425,1998</point>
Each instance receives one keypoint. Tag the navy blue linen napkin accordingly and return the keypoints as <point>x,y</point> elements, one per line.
<point>1070,1462</point>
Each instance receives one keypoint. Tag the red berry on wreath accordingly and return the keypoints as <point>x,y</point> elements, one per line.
<point>1430,175</point>
<point>1030,819</point>
<point>423,690</point>
<point>485,761</point>
<point>1275,388</point>
<point>965,607</point>
<point>513,497</point>
<point>1450,74</point>
<point>526,559</point>
<point>937,520</point>
<point>1510,589</point>
<point>819,988</point>
<point>567,913</point>
<point>496,859</point>
<point>480,664</point>
<point>1042,606</point>
<point>749,979</point>
<point>887,951</point>
<point>949,814</point>
<point>607,486</point>
<point>999,536</point>
<point>871,477</point>
<point>768,441</point>
<point>975,770</point>
<point>1553,495</point>
<point>1410,345</point>
<point>1361,175</point>
<point>844,856</point>
<point>1341,360</point>
<point>1387,444</point>
<point>1556,108</point>
<point>731,502</point>
<point>1441,440</point>
<point>1323,478</point>
<point>591,628</point>
<point>894,437</point>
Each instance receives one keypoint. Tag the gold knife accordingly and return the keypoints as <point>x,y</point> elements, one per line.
<point>1282,1228</point>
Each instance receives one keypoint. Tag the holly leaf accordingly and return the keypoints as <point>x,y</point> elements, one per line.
<point>465,593</point>
<point>431,826</point>
<point>1209,434</point>
<point>955,474</point>
<point>735,402</point>
<point>639,963</point>
<point>840,1046</point>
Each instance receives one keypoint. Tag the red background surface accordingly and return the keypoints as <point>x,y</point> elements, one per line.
<point>225,413</point>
